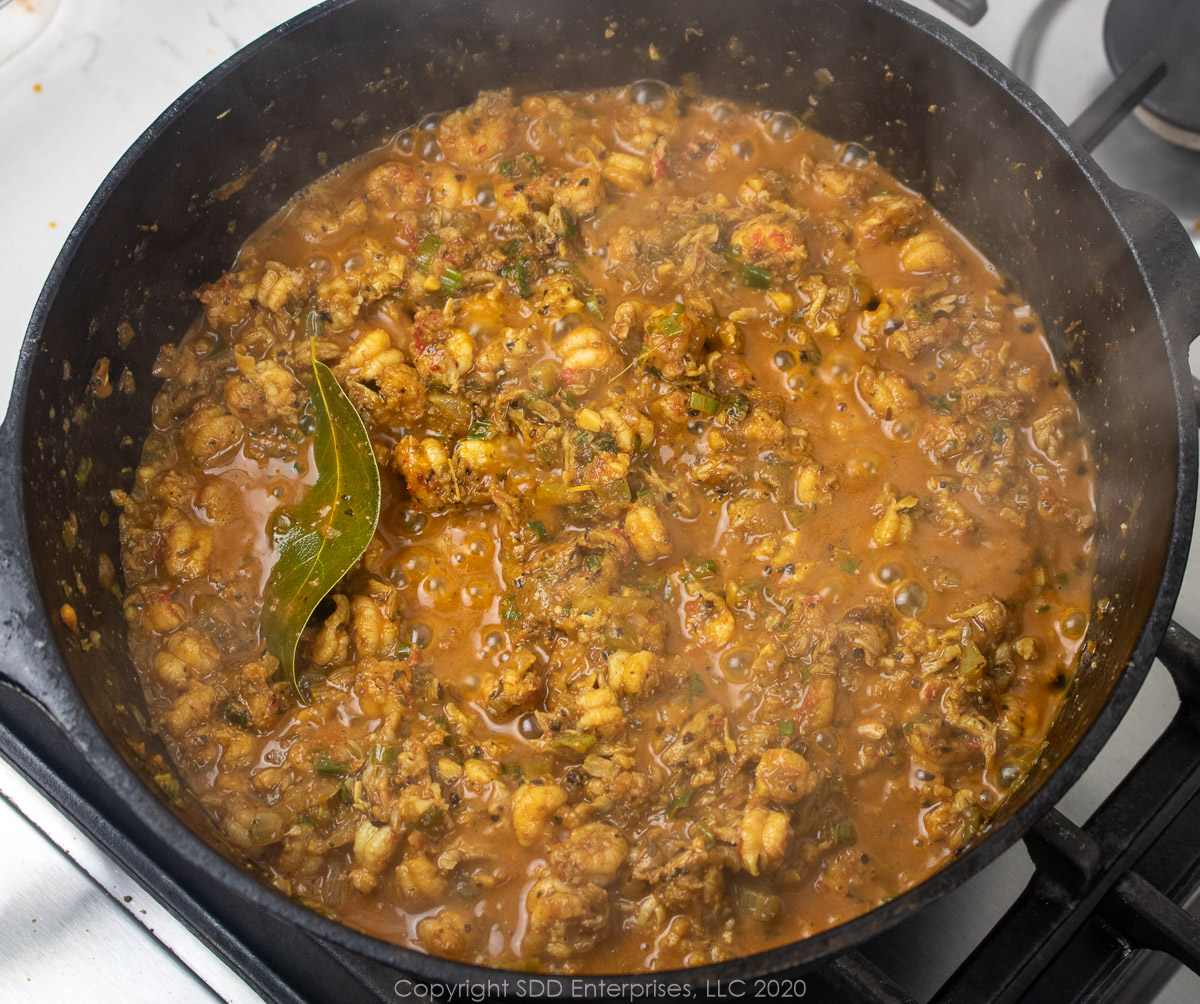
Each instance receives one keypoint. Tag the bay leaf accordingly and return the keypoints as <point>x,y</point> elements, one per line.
<point>318,541</point>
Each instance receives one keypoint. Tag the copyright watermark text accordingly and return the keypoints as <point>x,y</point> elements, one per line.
<point>596,988</point>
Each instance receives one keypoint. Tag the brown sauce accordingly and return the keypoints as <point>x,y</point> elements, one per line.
<point>735,544</point>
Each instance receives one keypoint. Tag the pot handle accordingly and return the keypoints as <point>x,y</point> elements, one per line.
<point>29,659</point>
<point>1168,261</point>
<point>969,11</point>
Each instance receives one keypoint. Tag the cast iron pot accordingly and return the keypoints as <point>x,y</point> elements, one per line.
<point>1112,273</point>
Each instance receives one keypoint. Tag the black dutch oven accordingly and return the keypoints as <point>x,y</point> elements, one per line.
<point>1113,274</point>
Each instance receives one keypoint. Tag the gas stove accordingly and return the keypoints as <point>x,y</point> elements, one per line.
<point>1092,906</point>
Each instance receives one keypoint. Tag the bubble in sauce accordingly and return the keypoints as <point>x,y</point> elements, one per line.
<point>477,594</point>
<point>420,634</point>
<point>428,149</point>
<point>854,155</point>
<point>1073,624</point>
<point>723,113</point>
<point>782,127</point>
<point>911,598</point>
<point>736,664</point>
<point>414,521</point>
<point>653,93</point>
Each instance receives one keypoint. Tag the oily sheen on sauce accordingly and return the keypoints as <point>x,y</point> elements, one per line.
<point>734,550</point>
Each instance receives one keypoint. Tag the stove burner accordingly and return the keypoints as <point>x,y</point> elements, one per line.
<point>1172,28</point>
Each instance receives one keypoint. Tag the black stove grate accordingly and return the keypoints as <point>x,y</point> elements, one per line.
<point>1103,918</point>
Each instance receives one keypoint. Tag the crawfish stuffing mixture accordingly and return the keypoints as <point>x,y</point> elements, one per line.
<point>734,553</point>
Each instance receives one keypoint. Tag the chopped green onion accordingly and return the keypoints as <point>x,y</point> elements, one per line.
<point>593,306</point>
<point>344,795</point>
<point>703,568</point>
<point>330,768</point>
<point>679,803</point>
<point>668,325</point>
<point>591,561</point>
<point>707,833</point>
<point>508,609</point>
<point>507,168</point>
<point>1044,608</point>
<point>580,742</point>
<point>83,471</point>
<point>236,715</point>
<point>447,740</point>
<point>849,565</point>
<point>517,272</point>
<point>512,247</point>
<point>695,687</point>
<point>757,276</point>
<point>452,280</point>
<point>787,728</point>
<point>513,770</point>
<point>480,428</point>
<point>843,834</point>
<point>529,164</point>
<point>426,252</point>
<point>430,819</point>
<point>538,527</point>
<point>170,787</point>
<point>704,402</point>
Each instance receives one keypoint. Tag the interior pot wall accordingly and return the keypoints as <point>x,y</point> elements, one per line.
<point>249,137</point>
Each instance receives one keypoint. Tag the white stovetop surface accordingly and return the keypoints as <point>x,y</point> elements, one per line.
<point>73,926</point>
